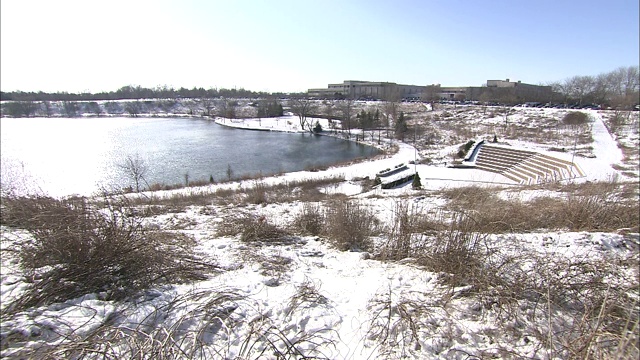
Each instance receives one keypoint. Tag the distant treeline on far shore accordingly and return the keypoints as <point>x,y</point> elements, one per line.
<point>138,92</point>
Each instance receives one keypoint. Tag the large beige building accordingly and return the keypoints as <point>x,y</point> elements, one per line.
<point>358,90</point>
<point>496,90</point>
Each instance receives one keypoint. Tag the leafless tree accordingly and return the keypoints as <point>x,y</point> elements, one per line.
<point>133,108</point>
<point>390,108</point>
<point>346,108</point>
<point>581,87</point>
<point>619,86</point>
<point>485,99</point>
<point>227,108</point>
<point>48,109</point>
<point>431,95</point>
<point>329,113</point>
<point>93,107</point>
<point>507,99</point>
<point>207,105</point>
<point>193,105</point>
<point>303,107</point>
<point>70,108</point>
<point>136,169</point>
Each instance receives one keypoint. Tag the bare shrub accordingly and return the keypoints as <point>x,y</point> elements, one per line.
<point>266,340</point>
<point>307,296</point>
<point>259,229</point>
<point>399,323</point>
<point>257,194</point>
<point>406,232</point>
<point>456,251</point>
<point>310,220</point>
<point>76,249</point>
<point>469,197</point>
<point>575,118</point>
<point>590,207</point>
<point>350,224</point>
<point>586,315</point>
<point>181,327</point>
<point>136,169</point>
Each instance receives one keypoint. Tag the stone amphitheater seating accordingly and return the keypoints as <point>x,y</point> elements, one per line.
<point>525,167</point>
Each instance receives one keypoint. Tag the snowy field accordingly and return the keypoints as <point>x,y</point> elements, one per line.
<point>299,296</point>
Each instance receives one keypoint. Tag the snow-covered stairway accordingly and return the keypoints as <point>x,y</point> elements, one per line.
<point>524,166</point>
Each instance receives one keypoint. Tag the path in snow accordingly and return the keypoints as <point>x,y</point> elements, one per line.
<point>606,150</point>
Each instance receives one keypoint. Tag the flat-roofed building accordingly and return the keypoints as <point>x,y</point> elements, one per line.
<point>496,90</point>
<point>367,90</point>
<point>510,91</point>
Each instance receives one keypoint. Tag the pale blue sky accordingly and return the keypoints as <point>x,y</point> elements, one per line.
<point>278,45</point>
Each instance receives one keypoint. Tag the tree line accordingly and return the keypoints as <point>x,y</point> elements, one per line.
<point>131,92</point>
<point>206,107</point>
<point>618,88</point>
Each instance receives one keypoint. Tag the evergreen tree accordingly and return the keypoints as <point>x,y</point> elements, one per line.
<point>318,128</point>
<point>416,184</point>
<point>401,127</point>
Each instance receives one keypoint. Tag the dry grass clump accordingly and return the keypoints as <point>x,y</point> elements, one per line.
<point>174,203</point>
<point>310,220</point>
<point>575,307</point>
<point>399,323</point>
<point>592,207</point>
<point>202,324</point>
<point>267,341</point>
<point>257,192</point>
<point>350,224</point>
<point>585,314</point>
<point>458,252</point>
<point>450,246</point>
<point>407,230</point>
<point>76,248</point>
<point>307,296</point>
<point>469,197</point>
<point>259,229</point>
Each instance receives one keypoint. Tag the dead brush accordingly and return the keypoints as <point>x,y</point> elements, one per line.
<point>77,248</point>
<point>399,323</point>
<point>349,224</point>
<point>307,296</point>
<point>457,252</point>
<point>174,329</point>
<point>310,220</point>
<point>274,266</point>
<point>251,228</point>
<point>405,235</point>
<point>469,197</point>
<point>568,304</point>
<point>589,207</point>
<point>257,193</point>
<point>266,340</point>
<point>259,229</point>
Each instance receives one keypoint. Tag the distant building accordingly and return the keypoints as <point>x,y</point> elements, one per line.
<point>367,90</point>
<point>453,93</point>
<point>496,90</point>
<point>509,91</point>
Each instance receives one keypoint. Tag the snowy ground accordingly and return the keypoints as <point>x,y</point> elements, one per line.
<point>338,304</point>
